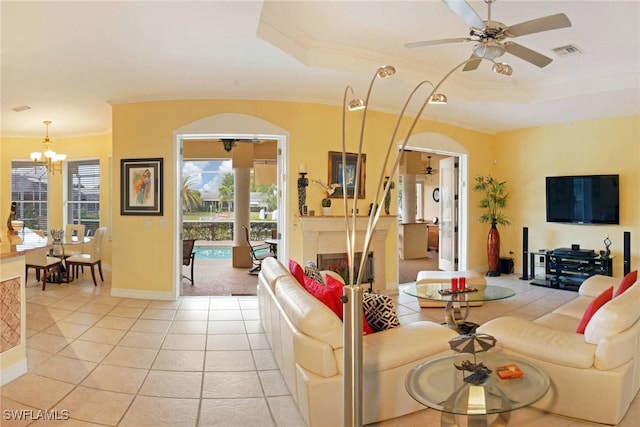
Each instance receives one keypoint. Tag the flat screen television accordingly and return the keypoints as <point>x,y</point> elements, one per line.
<point>585,199</point>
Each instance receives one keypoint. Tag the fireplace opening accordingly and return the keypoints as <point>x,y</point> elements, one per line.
<point>338,262</point>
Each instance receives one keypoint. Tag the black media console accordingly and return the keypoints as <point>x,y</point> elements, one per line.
<point>567,268</point>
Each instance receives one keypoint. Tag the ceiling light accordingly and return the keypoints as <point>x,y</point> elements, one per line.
<point>21,108</point>
<point>502,68</point>
<point>488,49</point>
<point>50,159</point>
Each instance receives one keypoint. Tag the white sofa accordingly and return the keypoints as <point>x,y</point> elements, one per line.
<point>594,376</point>
<point>306,339</point>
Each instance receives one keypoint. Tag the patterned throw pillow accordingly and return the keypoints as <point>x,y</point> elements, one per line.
<point>311,270</point>
<point>379,311</point>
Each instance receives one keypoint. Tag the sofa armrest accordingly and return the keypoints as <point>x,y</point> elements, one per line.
<point>529,339</point>
<point>594,285</point>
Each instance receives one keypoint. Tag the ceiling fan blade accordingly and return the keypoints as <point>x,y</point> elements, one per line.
<point>465,12</point>
<point>547,23</point>
<point>436,42</point>
<point>473,64</point>
<point>527,54</point>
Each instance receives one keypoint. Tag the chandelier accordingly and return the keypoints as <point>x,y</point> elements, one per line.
<point>48,158</point>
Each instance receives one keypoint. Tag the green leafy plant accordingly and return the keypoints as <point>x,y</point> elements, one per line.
<point>494,200</point>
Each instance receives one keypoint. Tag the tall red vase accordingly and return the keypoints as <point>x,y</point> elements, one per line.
<point>493,250</point>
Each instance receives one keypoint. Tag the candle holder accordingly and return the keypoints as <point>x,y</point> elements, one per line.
<point>387,197</point>
<point>303,183</point>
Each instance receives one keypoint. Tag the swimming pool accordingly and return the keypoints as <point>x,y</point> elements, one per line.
<point>213,252</point>
<point>217,252</point>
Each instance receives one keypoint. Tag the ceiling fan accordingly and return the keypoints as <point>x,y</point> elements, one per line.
<point>429,170</point>
<point>489,35</point>
<point>229,143</point>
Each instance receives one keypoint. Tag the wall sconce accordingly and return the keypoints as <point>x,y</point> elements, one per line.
<point>303,183</point>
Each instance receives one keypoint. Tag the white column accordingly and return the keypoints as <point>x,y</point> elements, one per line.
<point>408,199</point>
<point>241,200</point>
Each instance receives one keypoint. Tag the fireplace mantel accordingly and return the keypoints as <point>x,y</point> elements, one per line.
<point>325,235</point>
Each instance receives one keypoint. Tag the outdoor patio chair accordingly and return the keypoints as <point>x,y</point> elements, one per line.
<point>188,256</point>
<point>258,252</point>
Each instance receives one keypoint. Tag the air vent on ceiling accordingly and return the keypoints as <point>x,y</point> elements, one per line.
<point>21,108</point>
<point>568,50</point>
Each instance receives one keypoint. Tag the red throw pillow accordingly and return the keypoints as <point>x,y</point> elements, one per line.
<point>326,294</point>
<point>296,271</point>
<point>336,286</point>
<point>626,282</point>
<point>594,306</point>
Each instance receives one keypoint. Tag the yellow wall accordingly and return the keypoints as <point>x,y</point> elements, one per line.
<point>147,130</point>
<point>143,246</point>
<point>78,148</point>
<point>526,157</point>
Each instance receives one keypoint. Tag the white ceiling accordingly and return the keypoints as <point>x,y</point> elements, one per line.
<point>70,61</point>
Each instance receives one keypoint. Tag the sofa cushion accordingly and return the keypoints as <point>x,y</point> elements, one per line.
<point>527,338</point>
<point>271,270</point>
<point>604,297</point>
<point>336,285</point>
<point>628,280</point>
<point>329,295</point>
<point>296,271</point>
<point>614,317</point>
<point>307,314</point>
<point>379,311</point>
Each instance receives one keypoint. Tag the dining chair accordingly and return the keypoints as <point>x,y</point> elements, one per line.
<point>188,256</point>
<point>71,231</point>
<point>90,258</point>
<point>42,263</point>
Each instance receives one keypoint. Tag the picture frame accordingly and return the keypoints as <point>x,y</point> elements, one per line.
<point>141,187</point>
<point>335,173</point>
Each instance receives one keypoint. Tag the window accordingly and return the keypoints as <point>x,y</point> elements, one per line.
<point>83,193</point>
<point>29,189</point>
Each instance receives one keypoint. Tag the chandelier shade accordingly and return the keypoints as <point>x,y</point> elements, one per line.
<point>48,158</point>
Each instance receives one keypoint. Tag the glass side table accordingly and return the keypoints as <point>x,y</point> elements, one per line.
<point>437,384</point>
<point>457,308</point>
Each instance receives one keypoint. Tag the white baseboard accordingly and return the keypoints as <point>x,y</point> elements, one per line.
<point>12,372</point>
<point>139,294</point>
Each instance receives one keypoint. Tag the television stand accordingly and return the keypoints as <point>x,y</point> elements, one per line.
<point>567,271</point>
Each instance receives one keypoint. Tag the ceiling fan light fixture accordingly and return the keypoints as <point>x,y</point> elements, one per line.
<point>488,49</point>
<point>438,98</point>
<point>502,68</point>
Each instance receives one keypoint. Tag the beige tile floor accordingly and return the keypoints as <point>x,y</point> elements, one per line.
<point>199,361</point>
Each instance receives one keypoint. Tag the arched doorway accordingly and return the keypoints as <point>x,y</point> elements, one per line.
<point>444,146</point>
<point>230,126</point>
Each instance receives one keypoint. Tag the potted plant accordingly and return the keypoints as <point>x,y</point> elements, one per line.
<point>494,200</point>
<point>326,202</point>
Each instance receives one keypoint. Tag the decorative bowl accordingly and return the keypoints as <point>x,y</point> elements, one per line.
<point>17,225</point>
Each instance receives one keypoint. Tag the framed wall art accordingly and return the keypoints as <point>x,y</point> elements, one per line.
<point>335,174</point>
<point>141,186</point>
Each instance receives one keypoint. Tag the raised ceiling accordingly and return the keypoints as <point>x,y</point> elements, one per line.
<point>70,61</point>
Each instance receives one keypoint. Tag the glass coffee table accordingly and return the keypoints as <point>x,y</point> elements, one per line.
<point>457,308</point>
<point>437,384</point>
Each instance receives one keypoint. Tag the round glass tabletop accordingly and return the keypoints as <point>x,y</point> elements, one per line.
<point>430,291</point>
<point>438,384</point>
